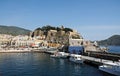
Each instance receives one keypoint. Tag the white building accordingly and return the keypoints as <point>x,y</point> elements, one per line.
<point>21,40</point>
<point>75,42</point>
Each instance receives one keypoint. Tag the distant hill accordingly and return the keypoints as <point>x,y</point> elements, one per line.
<point>13,30</point>
<point>113,40</point>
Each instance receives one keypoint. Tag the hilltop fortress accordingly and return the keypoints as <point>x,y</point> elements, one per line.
<point>55,34</point>
<point>61,36</point>
<point>48,36</point>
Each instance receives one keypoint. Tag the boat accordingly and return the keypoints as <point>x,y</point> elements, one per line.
<point>59,55</point>
<point>111,68</point>
<point>76,59</point>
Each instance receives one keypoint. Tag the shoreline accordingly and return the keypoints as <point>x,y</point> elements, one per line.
<point>21,51</point>
<point>28,50</point>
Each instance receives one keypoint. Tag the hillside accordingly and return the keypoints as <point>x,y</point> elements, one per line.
<point>55,34</point>
<point>113,40</point>
<point>13,30</point>
<point>47,28</point>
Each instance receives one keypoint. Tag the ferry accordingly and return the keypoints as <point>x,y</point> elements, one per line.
<point>59,55</point>
<point>76,58</point>
<point>111,67</point>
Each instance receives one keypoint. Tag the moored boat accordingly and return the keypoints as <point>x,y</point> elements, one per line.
<point>59,55</point>
<point>76,59</point>
<point>110,67</point>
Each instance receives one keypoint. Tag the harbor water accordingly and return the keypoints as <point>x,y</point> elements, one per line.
<point>114,49</point>
<point>40,64</point>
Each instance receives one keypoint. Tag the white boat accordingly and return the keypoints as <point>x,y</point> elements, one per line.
<point>110,67</point>
<point>59,55</point>
<point>76,58</point>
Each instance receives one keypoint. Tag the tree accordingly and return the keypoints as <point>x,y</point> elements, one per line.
<point>67,29</point>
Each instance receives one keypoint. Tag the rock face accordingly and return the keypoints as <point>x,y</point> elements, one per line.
<point>113,40</point>
<point>55,34</point>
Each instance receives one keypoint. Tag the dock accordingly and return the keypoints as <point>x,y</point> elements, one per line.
<point>96,61</point>
<point>92,60</point>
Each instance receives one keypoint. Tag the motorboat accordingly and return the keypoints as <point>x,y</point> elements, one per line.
<point>59,55</point>
<point>111,67</point>
<point>76,58</point>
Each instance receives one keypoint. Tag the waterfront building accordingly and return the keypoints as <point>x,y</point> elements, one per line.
<point>75,43</point>
<point>89,46</point>
<point>21,41</point>
<point>39,43</point>
<point>5,40</point>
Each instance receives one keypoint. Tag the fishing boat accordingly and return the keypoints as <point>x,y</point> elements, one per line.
<point>76,58</point>
<point>111,67</point>
<point>59,55</point>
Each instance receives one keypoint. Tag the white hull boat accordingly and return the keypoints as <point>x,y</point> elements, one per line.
<point>76,59</point>
<point>59,55</point>
<point>112,68</point>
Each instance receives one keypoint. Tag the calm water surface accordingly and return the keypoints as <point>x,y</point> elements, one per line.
<point>40,64</point>
<point>114,49</point>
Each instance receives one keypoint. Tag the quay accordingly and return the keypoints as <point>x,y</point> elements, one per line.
<point>93,60</point>
<point>29,50</point>
<point>23,50</point>
<point>14,51</point>
<point>96,61</point>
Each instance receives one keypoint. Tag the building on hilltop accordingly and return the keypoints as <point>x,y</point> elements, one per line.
<point>75,35</point>
<point>62,27</point>
<point>56,37</point>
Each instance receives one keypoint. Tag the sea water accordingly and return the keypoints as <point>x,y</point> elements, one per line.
<point>114,49</point>
<point>41,64</point>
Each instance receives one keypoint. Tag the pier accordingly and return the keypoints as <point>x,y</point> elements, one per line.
<point>95,60</point>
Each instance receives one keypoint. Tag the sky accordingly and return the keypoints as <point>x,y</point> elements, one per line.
<point>93,19</point>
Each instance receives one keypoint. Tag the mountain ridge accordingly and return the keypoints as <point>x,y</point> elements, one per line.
<point>113,40</point>
<point>13,30</point>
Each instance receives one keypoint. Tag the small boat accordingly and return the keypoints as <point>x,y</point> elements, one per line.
<point>76,59</point>
<point>111,67</point>
<point>59,55</point>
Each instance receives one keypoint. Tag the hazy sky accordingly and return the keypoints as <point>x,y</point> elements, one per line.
<point>94,19</point>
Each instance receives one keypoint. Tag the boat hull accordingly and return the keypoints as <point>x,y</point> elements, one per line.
<point>55,56</point>
<point>109,70</point>
<point>76,61</point>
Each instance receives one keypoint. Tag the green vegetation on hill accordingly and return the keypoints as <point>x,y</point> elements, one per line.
<point>48,27</point>
<point>56,35</point>
<point>13,30</point>
<point>113,40</point>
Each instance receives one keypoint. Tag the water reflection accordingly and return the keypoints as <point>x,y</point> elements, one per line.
<point>40,64</point>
